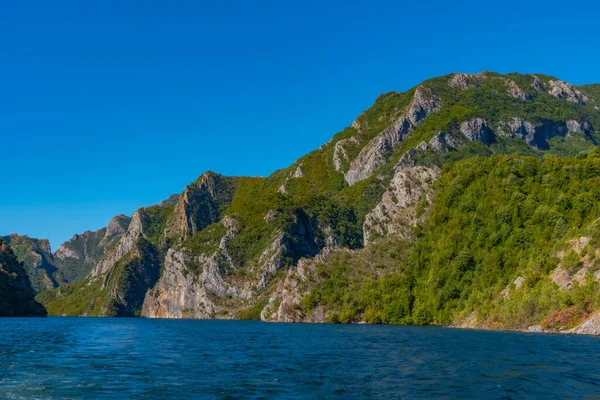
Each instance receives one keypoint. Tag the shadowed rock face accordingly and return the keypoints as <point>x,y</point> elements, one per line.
<point>38,261</point>
<point>477,130</point>
<point>130,280</point>
<point>200,204</point>
<point>16,293</point>
<point>537,135</point>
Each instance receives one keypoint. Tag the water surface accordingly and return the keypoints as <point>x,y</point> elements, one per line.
<point>56,358</point>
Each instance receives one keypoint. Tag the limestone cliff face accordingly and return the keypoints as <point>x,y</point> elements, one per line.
<point>76,257</point>
<point>476,130</point>
<point>200,204</point>
<point>285,303</point>
<point>124,246</point>
<point>538,134</point>
<point>398,211</point>
<point>190,285</point>
<point>211,285</point>
<point>566,91</point>
<point>16,293</point>
<point>379,150</point>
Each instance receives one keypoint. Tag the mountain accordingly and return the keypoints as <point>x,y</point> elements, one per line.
<point>76,257</point>
<point>16,293</point>
<point>394,220</point>
<point>38,260</point>
<point>73,260</point>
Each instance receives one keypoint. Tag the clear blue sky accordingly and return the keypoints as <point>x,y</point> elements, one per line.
<point>107,106</point>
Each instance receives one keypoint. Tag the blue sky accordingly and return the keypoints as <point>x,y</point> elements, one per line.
<point>109,106</point>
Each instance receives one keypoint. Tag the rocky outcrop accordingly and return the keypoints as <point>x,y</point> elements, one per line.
<point>424,103</point>
<point>200,204</point>
<point>566,277</point>
<point>285,303</point>
<point>16,293</point>
<point>566,91</point>
<point>477,130</point>
<point>192,286</point>
<point>299,172</point>
<point>537,134</point>
<point>124,246</point>
<point>379,150</point>
<point>205,285</point>
<point>299,241</point>
<point>537,84</point>
<point>340,154</point>
<point>515,91</point>
<point>38,261</point>
<point>397,212</point>
<point>465,81</point>
<point>116,226</point>
<point>591,326</point>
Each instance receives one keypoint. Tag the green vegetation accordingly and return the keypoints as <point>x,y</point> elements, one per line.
<point>592,91</point>
<point>36,257</point>
<point>206,241</point>
<point>121,293</point>
<point>154,220</point>
<point>493,219</point>
<point>16,294</point>
<point>73,299</point>
<point>253,313</point>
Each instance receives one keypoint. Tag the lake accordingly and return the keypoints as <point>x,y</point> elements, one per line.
<point>56,358</point>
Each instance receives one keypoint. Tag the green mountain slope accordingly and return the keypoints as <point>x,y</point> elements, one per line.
<point>509,241</point>
<point>232,247</point>
<point>37,258</point>
<point>16,294</point>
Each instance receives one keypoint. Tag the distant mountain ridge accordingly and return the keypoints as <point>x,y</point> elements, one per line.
<point>278,248</point>
<point>72,261</point>
<point>77,256</point>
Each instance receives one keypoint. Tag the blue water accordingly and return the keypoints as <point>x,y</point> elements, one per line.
<point>56,358</point>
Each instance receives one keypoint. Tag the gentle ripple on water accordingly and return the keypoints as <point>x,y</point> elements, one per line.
<point>56,358</point>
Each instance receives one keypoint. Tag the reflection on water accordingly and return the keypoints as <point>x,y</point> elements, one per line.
<point>157,359</point>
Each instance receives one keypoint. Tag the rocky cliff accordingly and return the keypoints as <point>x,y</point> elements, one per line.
<point>72,261</point>
<point>76,257</point>
<point>38,260</point>
<point>354,215</point>
<point>16,293</point>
